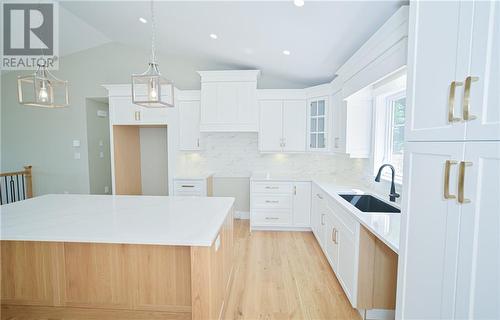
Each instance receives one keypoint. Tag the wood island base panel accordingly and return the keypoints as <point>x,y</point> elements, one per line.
<point>116,281</point>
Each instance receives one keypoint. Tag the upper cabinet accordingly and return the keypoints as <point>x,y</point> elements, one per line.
<point>189,120</point>
<point>339,116</point>
<point>318,124</point>
<point>458,100</point>
<point>282,121</point>
<point>229,101</point>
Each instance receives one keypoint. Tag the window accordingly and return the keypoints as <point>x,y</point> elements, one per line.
<point>389,133</point>
<point>317,124</point>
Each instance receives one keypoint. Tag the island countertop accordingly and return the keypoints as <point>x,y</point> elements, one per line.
<point>151,220</point>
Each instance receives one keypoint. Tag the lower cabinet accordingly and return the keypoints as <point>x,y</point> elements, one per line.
<point>195,187</point>
<point>365,267</point>
<point>280,204</point>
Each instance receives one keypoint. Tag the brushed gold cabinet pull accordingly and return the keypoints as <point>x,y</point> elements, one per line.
<point>333,235</point>
<point>466,98</point>
<point>322,219</point>
<point>461,181</point>
<point>451,101</point>
<point>447,166</point>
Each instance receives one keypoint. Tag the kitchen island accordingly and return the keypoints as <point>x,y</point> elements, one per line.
<point>116,257</point>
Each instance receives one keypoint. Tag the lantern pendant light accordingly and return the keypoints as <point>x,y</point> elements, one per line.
<point>42,89</point>
<point>147,87</point>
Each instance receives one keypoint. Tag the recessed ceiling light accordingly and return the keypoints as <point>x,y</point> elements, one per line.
<point>213,36</point>
<point>286,52</point>
<point>141,19</point>
<point>298,3</point>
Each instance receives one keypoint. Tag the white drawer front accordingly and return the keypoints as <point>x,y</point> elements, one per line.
<point>272,187</point>
<point>270,217</point>
<point>188,186</point>
<point>188,194</point>
<point>271,201</point>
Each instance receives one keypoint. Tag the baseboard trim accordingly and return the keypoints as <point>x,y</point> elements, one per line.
<point>377,314</point>
<point>243,215</point>
<point>279,228</point>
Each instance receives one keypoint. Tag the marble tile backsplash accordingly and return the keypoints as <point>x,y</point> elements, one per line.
<point>237,155</point>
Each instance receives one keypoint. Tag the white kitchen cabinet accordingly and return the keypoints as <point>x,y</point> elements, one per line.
<point>339,119</point>
<point>271,126</point>
<point>302,204</point>
<point>294,126</point>
<point>478,278</point>
<point>456,100</point>
<point>189,125</point>
<point>450,256</point>
<point>317,198</point>
<point>430,112</point>
<point>229,101</point>
<point>282,126</point>
<point>484,102</point>
<point>346,268</point>
<point>194,186</point>
<point>123,112</point>
<point>280,204</point>
<point>318,124</point>
<point>330,237</point>
<point>432,224</point>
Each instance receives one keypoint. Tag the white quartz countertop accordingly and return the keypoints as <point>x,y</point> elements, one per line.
<point>385,226</point>
<point>266,176</point>
<point>152,220</point>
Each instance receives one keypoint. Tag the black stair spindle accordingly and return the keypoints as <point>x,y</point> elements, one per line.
<point>6,189</point>
<point>24,192</point>
<point>12,190</point>
<point>17,187</point>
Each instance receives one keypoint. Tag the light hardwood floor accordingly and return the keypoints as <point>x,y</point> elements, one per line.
<point>283,275</point>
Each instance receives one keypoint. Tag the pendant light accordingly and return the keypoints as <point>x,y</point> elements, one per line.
<point>42,89</point>
<point>147,87</point>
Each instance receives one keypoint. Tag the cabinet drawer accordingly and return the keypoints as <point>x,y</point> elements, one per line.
<point>272,187</point>
<point>271,201</point>
<point>271,217</point>
<point>188,186</point>
<point>345,217</point>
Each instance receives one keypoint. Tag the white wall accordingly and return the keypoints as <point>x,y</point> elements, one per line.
<point>97,132</point>
<point>154,161</point>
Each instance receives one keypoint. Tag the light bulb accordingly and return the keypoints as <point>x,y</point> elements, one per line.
<point>43,95</point>
<point>153,92</point>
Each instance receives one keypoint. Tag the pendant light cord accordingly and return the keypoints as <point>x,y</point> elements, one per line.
<point>153,55</point>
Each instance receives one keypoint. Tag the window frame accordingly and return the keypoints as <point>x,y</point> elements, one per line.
<point>383,142</point>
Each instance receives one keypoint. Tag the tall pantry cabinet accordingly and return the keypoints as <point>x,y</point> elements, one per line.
<point>449,263</point>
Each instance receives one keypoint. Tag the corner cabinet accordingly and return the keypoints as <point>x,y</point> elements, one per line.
<point>318,124</point>
<point>229,101</point>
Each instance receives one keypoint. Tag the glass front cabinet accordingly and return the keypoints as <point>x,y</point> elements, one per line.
<point>318,124</point>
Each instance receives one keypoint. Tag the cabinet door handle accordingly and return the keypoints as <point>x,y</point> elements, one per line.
<point>198,142</point>
<point>447,167</point>
<point>466,98</point>
<point>272,201</point>
<point>272,218</point>
<point>451,101</point>
<point>187,186</point>
<point>272,187</point>
<point>333,235</point>
<point>319,196</point>
<point>322,219</point>
<point>294,190</point>
<point>461,181</point>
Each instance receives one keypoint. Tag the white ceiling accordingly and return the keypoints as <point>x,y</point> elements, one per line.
<point>321,35</point>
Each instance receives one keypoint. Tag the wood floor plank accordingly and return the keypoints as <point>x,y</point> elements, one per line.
<point>283,275</point>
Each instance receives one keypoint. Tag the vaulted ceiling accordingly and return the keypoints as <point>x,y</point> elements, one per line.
<point>320,36</point>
